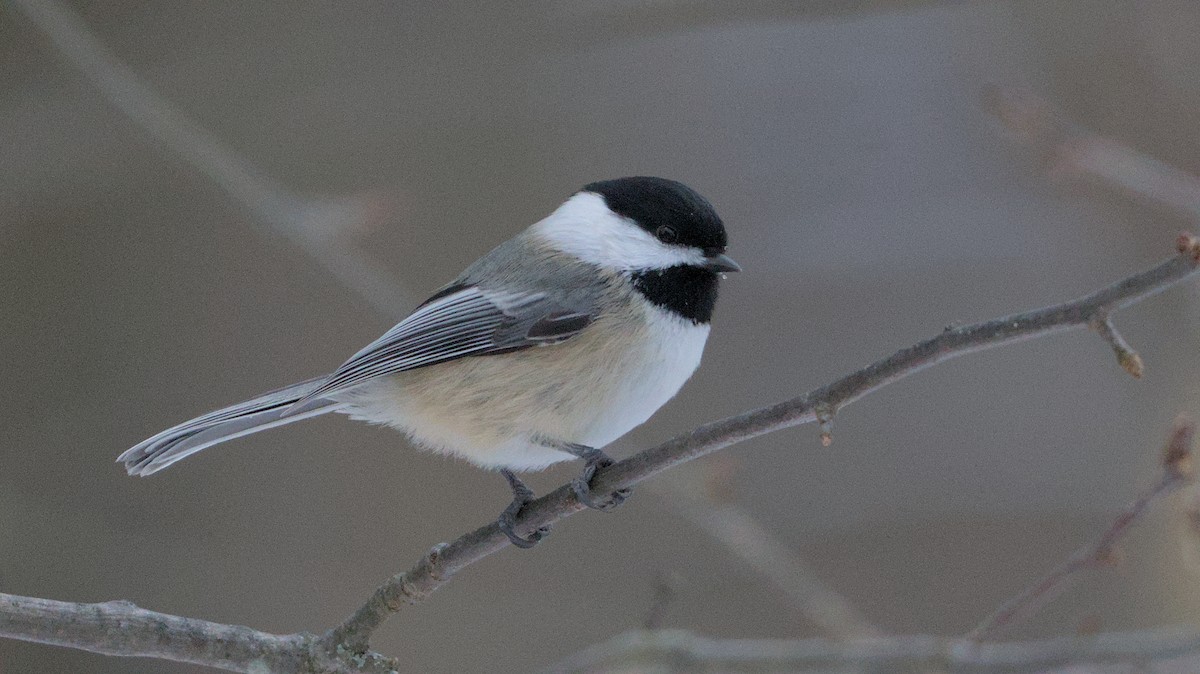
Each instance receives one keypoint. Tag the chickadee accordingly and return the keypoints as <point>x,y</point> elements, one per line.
<point>551,346</point>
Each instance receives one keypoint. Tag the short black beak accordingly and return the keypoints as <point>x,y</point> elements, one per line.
<point>721,262</point>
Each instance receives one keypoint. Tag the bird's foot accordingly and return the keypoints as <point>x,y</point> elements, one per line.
<point>594,460</point>
<point>522,495</point>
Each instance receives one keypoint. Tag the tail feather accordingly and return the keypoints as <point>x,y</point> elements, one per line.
<point>258,414</point>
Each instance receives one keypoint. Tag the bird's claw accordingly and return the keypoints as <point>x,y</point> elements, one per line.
<point>582,486</point>
<point>507,521</point>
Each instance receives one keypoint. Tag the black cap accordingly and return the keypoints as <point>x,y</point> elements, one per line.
<point>657,203</point>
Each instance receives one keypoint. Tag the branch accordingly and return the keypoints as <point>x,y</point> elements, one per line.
<point>120,628</point>
<point>1177,470</point>
<point>1068,150</point>
<point>315,225</point>
<point>670,651</point>
<point>441,563</point>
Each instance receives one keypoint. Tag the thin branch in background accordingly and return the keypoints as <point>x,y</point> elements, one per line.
<point>1177,470</point>
<point>1189,540</point>
<point>317,226</point>
<point>591,22</point>
<point>1070,151</point>
<point>710,508</point>
<point>666,591</point>
<point>681,652</point>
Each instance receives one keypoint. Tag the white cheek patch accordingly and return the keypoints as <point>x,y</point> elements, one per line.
<point>583,226</point>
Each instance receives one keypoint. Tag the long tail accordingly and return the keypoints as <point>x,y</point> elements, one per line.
<point>265,411</point>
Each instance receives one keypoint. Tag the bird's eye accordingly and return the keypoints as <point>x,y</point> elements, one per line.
<point>666,234</point>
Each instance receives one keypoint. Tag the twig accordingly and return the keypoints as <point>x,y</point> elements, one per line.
<point>666,589</point>
<point>671,651</point>
<point>1069,150</point>
<point>315,225</point>
<point>1127,358</point>
<point>1177,471</point>
<point>442,563</point>
<point>757,548</point>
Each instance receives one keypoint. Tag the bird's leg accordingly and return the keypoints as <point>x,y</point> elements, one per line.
<point>522,495</point>
<point>594,459</point>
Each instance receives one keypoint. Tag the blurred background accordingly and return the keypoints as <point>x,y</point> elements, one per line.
<point>160,262</point>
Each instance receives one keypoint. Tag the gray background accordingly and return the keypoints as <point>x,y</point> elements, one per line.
<point>868,195</point>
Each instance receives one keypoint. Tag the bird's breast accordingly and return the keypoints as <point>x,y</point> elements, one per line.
<point>590,389</point>
<point>656,365</point>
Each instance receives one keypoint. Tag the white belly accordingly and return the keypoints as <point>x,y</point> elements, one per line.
<point>590,390</point>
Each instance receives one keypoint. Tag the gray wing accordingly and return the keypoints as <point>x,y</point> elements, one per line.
<point>458,322</point>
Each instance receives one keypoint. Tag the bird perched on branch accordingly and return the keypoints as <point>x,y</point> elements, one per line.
<point>548,348</point>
